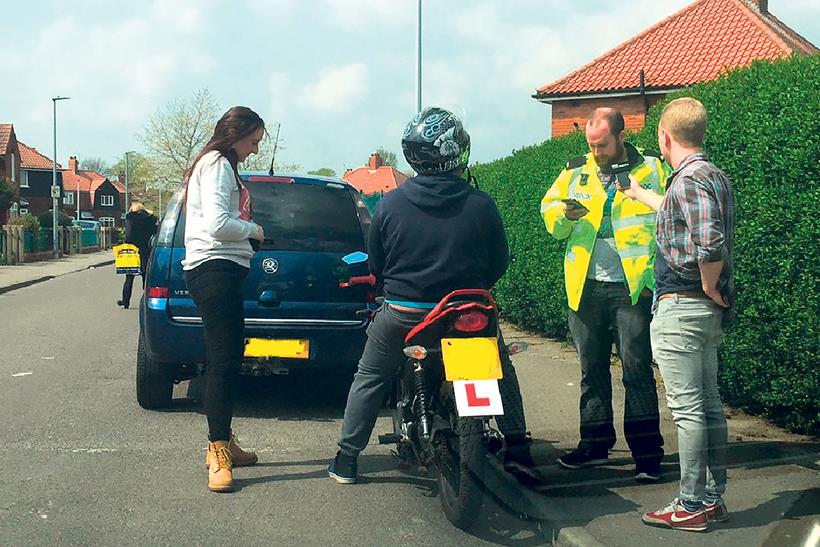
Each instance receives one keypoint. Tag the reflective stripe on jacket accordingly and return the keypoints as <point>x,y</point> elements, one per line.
<point>633,223</point>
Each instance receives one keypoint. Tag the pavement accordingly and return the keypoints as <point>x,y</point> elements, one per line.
<point>24,275</point>
<point>774,485</point>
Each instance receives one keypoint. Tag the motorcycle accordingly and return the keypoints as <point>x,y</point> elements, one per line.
<point>444,396</point>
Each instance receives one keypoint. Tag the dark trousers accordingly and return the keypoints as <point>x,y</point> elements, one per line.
<point>128,284</point>
<point>216,287</point>
<point>606,311</point>
<point>378,367</point>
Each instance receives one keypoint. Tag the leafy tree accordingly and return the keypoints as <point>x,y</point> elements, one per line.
<point>7,193</point>
<point>141,172</point>
<point>323,172</point>
<point>176,132</point>
<point>388,158</point>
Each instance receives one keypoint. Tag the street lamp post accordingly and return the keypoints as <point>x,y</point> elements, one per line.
<point>126,179</point>
<point>418,58</point>
<point>55,190</point>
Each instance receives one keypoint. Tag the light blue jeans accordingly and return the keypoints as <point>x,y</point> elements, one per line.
<point>685,334</point>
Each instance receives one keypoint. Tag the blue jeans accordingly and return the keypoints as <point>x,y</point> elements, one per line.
<point>685,335</point>
<point>606,312</point>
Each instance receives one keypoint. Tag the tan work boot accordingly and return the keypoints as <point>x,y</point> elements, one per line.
<point>239,457</point>
<point>220,476</point>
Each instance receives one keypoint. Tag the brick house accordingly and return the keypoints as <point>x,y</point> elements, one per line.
<point>694,45</point>
<point>100,198</point>
<point>375,177</point>
<point>36,177</point>
<point>9,169</point>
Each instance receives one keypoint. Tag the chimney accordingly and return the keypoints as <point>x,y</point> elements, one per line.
<point>72,164</point>
<point>375,161</point>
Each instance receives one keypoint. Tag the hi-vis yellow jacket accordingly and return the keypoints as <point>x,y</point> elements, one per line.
<point>633,223</point>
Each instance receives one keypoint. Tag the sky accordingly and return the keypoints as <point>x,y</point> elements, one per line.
<point>338,75</point>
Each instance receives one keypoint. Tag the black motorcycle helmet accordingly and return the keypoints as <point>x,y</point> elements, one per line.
<point>435,142</point>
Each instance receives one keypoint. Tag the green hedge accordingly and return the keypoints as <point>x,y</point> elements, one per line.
<point>764,132</point>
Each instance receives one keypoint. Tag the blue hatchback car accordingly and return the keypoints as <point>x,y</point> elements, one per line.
<point>299,313</point>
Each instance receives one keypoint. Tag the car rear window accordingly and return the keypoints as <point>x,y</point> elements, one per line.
<point>306,217</point>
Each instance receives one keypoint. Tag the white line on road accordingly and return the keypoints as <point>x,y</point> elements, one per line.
<point>19,374</point>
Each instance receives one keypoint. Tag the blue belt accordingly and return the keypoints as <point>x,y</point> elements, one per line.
<point>419,305</point>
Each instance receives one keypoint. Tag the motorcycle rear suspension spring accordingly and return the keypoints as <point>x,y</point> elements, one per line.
<point>422,408</point>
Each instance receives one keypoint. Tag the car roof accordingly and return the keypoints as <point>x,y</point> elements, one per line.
<point>297,178</point>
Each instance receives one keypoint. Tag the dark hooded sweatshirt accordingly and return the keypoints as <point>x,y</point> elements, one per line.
<point>433,235</point>
<point>139,227</point>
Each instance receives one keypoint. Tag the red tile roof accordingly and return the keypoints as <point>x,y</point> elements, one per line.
<point>30,158</point>
<point>5,135</point>
<point>694,45</point>
<point>88,181</point>
<point>370,181</point>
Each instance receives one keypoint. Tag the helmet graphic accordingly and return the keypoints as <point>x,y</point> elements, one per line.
<point>435,142</point>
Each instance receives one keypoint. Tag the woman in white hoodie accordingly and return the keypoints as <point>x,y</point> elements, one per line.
<point>218,234</point>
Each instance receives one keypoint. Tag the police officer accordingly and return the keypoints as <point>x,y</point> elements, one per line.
<point>608,271</point>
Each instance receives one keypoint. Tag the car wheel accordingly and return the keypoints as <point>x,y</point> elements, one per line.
<point>154,385</point>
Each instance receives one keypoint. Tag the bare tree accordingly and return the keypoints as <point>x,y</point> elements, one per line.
<point>97,165</point>
<point>177,132</point>
<point>262,160</point>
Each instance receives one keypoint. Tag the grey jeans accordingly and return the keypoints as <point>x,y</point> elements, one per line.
<point>685,334</point>
<point>379,365</point>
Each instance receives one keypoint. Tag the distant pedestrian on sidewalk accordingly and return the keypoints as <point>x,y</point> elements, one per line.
<point>217,261</point>
<point>609,283</point>
<point>693,271</point>
<point>140,225</point>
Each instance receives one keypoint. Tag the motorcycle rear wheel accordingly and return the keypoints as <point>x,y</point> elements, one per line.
<point>459,473</point>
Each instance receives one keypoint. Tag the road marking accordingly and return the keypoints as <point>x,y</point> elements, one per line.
<point>20,374</point>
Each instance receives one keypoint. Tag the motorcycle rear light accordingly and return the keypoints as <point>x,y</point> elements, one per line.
<point>157,292</point>
<point>471,321</point>
<point>416,352</point>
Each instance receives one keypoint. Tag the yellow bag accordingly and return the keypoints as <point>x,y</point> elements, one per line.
<point>127,259</point>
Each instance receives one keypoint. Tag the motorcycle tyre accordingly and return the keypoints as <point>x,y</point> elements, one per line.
<point>462,508</point>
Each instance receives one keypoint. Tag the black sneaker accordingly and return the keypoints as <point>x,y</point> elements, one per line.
<point>343,468</point>
<point>122,304</point>
<point>583,457</point>
<point>518,461</point>
<point>648,472</point>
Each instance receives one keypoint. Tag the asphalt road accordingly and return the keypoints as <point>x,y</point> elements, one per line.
<point>82,464</point>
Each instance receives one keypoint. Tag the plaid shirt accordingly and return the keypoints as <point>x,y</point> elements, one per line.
<point>696,222</point>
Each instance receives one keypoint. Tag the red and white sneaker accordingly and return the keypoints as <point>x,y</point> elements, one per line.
<point>716,511</point>
<point>677,517</point>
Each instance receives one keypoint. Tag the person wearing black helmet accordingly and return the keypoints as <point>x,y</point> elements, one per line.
<point>431,236</point>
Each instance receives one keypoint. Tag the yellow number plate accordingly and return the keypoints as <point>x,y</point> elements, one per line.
<point>471,359</point>
<point>291,349</point>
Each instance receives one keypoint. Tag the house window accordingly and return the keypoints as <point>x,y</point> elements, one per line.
<point>107,221</point>
<point>23,179</point>
<point>68,198</point>
<point>13,168</point>
<point>107,201</point>
<point>23,211</point>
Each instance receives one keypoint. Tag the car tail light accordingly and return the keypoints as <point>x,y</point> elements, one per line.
<point>471,321</point>
<point>157,292</point>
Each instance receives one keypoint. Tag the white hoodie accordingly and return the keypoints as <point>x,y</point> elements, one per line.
<point>213,228</point>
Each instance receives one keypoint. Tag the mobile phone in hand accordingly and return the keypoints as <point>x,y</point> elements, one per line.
<point>621,172</point>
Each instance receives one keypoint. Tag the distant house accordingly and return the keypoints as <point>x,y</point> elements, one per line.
<point>10,169</point>
<point>694,45</point>
<point>100,198</point>
<point>375,177</point>
<point>36,177</point>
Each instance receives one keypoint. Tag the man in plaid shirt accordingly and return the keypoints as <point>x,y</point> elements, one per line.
<point>694,291</point>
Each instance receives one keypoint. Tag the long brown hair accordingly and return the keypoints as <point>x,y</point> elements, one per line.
<point>236,124</point>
